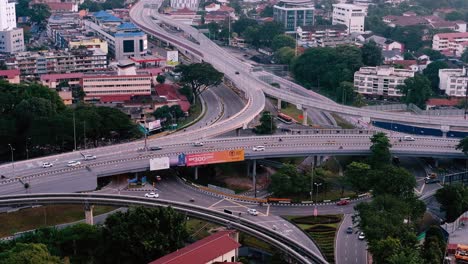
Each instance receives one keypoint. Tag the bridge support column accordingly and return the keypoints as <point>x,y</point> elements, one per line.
<point>444,134</point>
<point>436,163</point>
<point>248,168</point>
<point>278,105</point>
<point>196,173</point>
<point>89,219</point>
<point>238,131</point>
<point>444,130</point>
<point>304,116</point>
<point>254,177</point>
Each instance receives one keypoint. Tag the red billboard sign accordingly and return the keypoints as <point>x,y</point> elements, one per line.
<point>214,157</point>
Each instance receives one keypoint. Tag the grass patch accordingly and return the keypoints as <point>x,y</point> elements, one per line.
<point>195,111</point>
<point>250,241</point>
<point>199,229</point>
<point>33,218</point>
<point>322,229</point>
<point>341,122</point>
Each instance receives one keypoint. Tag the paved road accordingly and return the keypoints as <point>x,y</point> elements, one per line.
<point>349,249</point>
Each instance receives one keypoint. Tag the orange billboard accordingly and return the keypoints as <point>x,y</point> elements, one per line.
<point>214,157</point>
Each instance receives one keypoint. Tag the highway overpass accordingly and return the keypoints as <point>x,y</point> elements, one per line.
<point>293,249</point>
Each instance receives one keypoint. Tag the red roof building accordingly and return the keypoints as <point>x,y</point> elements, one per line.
<point>433,102</point>
<point>172,95</point>
<point>11,76</point>
<point>219,247</point>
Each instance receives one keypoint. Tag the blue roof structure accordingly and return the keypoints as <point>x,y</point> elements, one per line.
<point>129,34</point>
<point>127,26</point>
<point>110,18</point>
<point>101,13</point>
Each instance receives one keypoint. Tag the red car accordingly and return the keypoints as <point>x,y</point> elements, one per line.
<point>343,202</point>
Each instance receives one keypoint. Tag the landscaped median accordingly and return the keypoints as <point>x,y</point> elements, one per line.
<point>322,229</point>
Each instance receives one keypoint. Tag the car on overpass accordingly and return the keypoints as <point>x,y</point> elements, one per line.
<point>343,202</point>
<point>252,211</point>
<point>152,195</point>
<point>198,144</point>
<point>89,157</point>
<point>258,148</point>
<point>73,163</point>
<point>153,148</point>
<point>47,165</point>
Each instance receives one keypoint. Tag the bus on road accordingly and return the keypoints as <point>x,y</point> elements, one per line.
<point>285,118</point>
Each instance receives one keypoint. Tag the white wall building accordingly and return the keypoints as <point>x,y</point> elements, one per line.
<point>180,4</point>
<point>352,16</point>
<point>11,37</point>
<point>450,43</point>
<point>453,81</point>
<point>380,80</point>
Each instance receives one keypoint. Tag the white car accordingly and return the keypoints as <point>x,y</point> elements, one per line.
<point>408,138</point>
<point>89,157</point>
<point>47,165</point>
<point>152,195</point>
<point>252,211</point>
<point>258,148</point>
<point>361,236</point>
<point>73,163</point>
<point>198,144</point>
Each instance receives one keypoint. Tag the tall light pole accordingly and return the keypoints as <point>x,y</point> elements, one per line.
<point>316,195</point>
<point>12,159</point>
<point>74,129</point>
<point>466,90</point>
<point>27,150</point>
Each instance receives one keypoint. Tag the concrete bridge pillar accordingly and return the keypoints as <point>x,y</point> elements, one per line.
<point>254,176</point>
<point>248,168</point>
<point>278,105</point>
<point>304,116</point>
<point>89,219</point>
<point>196,173</point>
<point>238,131</point>
<point>444,130</point>
<point>444,134</point>
<point>436,163</point>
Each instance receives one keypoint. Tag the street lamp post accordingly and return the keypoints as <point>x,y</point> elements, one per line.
<point>27,149</point>
<point>316,195</point>
<point>12,159</point>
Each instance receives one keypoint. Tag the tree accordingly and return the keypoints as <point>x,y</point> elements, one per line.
<point>199,76</point>
<point>28,254</point>
<point>453,16</point>
<point>433,54</point>
<point>357,175</point>
<point>392,180</point>
<point>283,40</point>
<point>416,90</point>
<point>345,93</point>
<point>376,25</point>
<point>463,145</point>
<point>432,73</point>
<point>161,79</point>
<point>289,181</point>
<point>80,242</point>
<point>464,56</point>
<point>284,55</point>
<point>267,11</point>
<point>434,246</point>
<point>241,25</point>
<point>453,200</point>
<point>267,124</point>
<point>40,13</point>
<point>380,150</point>
<point>371,54</point>
<point>411,36</point>
<point>141,235</point>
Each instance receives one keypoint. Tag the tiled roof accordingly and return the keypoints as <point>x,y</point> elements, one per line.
<point>10,74</point>
<point>451,36</point>
<point>60,76</point>
<point>442,102</point>
<point>202,251</point>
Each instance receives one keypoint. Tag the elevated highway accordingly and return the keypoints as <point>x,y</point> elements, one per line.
<point>241,74</point>
<point>293,249</point>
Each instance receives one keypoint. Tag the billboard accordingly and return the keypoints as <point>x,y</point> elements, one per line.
<point>159,163</point>
<point>214,157</point>
<point>154,125</point>
<point>172,57</point>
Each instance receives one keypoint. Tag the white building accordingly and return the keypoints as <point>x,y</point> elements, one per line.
<point>352,16</point>
<point>180,4</point>
<point>380,80</point>
<point>11,37</point>
<point>450,43</point>
<point>453,81</point>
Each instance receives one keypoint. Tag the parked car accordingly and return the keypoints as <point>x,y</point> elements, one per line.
<point>361,236</point>
<point>428,180</point>
<point>252,211</point>
<point>349,230</point>
<point>342,202</point>
<point>73,163</point>
<point>258,148</point>
<point>152,195</point>
<point>89,157</point>
<point>47,165</point>
<point>153,148</point>
<point>409,138</point>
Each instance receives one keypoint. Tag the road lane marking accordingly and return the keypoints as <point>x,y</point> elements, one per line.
<point>216,203</point>
<point>268,210</point>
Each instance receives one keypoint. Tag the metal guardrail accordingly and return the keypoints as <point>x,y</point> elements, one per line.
<point>295,250</point>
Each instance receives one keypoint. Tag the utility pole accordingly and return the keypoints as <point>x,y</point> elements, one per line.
<point>74,129</point>
<point>229,37</point>
<point>146,135</point>
<point>84,133</point>
<point>466,90</point>
<point>12,159</point>
<point>27,150</point>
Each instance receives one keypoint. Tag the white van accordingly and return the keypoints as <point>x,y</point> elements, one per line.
<point>408,138</point>
<point>258,148</point>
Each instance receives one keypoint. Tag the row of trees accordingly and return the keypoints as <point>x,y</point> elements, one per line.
<point>139,235</point>
<point>93,6</point>
<point>34,120</point>
<point>391,219</point>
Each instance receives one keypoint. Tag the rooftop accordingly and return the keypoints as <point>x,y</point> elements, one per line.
<point>453,35</point>
<point>10,74</point>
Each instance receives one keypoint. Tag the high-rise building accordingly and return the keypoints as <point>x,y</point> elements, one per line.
<point>294,13</point>
<point>181,4</point>
<point>11,37</point>
<point>352,16</point>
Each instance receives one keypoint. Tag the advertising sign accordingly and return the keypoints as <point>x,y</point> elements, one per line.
<point>159,163</point>
<point>154,125</point>
<point>172,57</point>
<point>214,157</point>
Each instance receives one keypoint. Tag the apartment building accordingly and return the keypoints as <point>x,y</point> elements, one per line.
<point>352,16</point>
<point>181,4</point>
<point>124,39</point>
<point>323,35</point>
<point>294,13</point>
<point>34,64</point>
<point>453,81</point>
<point>116,86</point>
<point>451,44</point>
<point>11,37</point>
<point>380,80</point>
